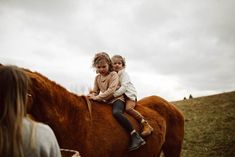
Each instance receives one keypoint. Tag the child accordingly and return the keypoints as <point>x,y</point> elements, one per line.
<point>128,89</point>
<point>106,82</point>
<point>19,136</point>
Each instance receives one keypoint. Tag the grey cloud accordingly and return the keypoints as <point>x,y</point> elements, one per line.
<point>45,7</point>
<point>192,41</point>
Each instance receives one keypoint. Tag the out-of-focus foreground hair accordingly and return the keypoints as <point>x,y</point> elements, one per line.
<point>14,85</point>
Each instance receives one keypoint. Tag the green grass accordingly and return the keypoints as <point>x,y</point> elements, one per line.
<point>209,126</point>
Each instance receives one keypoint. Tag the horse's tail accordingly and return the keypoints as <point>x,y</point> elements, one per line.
<point>174,124</point>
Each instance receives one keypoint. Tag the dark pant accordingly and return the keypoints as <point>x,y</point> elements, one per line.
<point>118,108</point>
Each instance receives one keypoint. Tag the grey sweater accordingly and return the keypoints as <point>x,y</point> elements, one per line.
<point>39,140</point>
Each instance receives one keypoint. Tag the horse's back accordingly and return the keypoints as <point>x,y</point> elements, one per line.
<point>174,123</point>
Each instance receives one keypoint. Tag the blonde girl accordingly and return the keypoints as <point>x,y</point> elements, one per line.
<point>128,89</point>
<point>19,136</point>
<point>106,83</point>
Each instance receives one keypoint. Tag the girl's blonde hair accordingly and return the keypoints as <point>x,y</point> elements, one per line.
<point>13,98</point>
<point>121,58</point>
<point>102,56</point>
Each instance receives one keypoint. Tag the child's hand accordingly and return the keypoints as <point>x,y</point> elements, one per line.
<point>91,91</point>
<point>92,97</point>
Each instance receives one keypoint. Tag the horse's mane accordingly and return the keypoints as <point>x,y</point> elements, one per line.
<point>46,91</point>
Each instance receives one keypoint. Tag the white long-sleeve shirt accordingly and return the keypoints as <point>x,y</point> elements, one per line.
<point>39,140</point>
<point>127,87</point>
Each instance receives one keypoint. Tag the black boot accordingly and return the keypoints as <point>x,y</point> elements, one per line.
<point>136,141</point>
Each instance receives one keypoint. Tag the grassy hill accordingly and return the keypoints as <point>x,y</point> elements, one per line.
<point>209,125</point>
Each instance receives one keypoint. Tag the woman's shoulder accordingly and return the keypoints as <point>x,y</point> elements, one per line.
<point>45,130</point>
<point>43,127</point>
<point>44,133</point>
<point>39,135</point>
<point>40,127</point>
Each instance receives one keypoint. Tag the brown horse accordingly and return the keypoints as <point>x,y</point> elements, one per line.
<point>95,132</point>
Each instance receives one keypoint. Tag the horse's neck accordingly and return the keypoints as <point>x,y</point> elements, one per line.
<point>71,113</point>
<point>64,108</point>
<point>51,102</point>
<point>63,111</point>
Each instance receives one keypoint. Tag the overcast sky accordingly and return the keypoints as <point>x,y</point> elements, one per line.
<point>172,48</point>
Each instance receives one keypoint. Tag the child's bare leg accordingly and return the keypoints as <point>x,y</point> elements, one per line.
<point>146,128</point>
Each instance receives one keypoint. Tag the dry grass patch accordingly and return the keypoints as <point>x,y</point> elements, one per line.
<point>209,125</point>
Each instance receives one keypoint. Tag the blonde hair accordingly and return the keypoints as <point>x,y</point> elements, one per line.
<point>102,56</point>
<point>13,98</point>
<point>121,58</point>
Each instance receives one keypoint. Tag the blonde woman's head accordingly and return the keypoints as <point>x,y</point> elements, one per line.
<point>13,96</point>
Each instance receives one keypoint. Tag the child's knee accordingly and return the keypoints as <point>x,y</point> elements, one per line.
<point>116,113</point>
<point>130,104</point>
<point>129,110</point>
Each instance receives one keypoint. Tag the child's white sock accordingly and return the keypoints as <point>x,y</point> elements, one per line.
<point>142,121</point>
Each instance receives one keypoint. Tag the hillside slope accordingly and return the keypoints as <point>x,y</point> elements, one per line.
<point>209,125</point>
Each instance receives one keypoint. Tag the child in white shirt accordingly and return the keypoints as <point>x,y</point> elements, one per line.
<point>128,89</point>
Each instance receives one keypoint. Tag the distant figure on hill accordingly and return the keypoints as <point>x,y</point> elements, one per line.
<point>185,98</point>
<point>190,96</point>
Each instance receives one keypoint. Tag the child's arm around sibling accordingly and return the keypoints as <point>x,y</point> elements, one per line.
<point>124,80</point>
